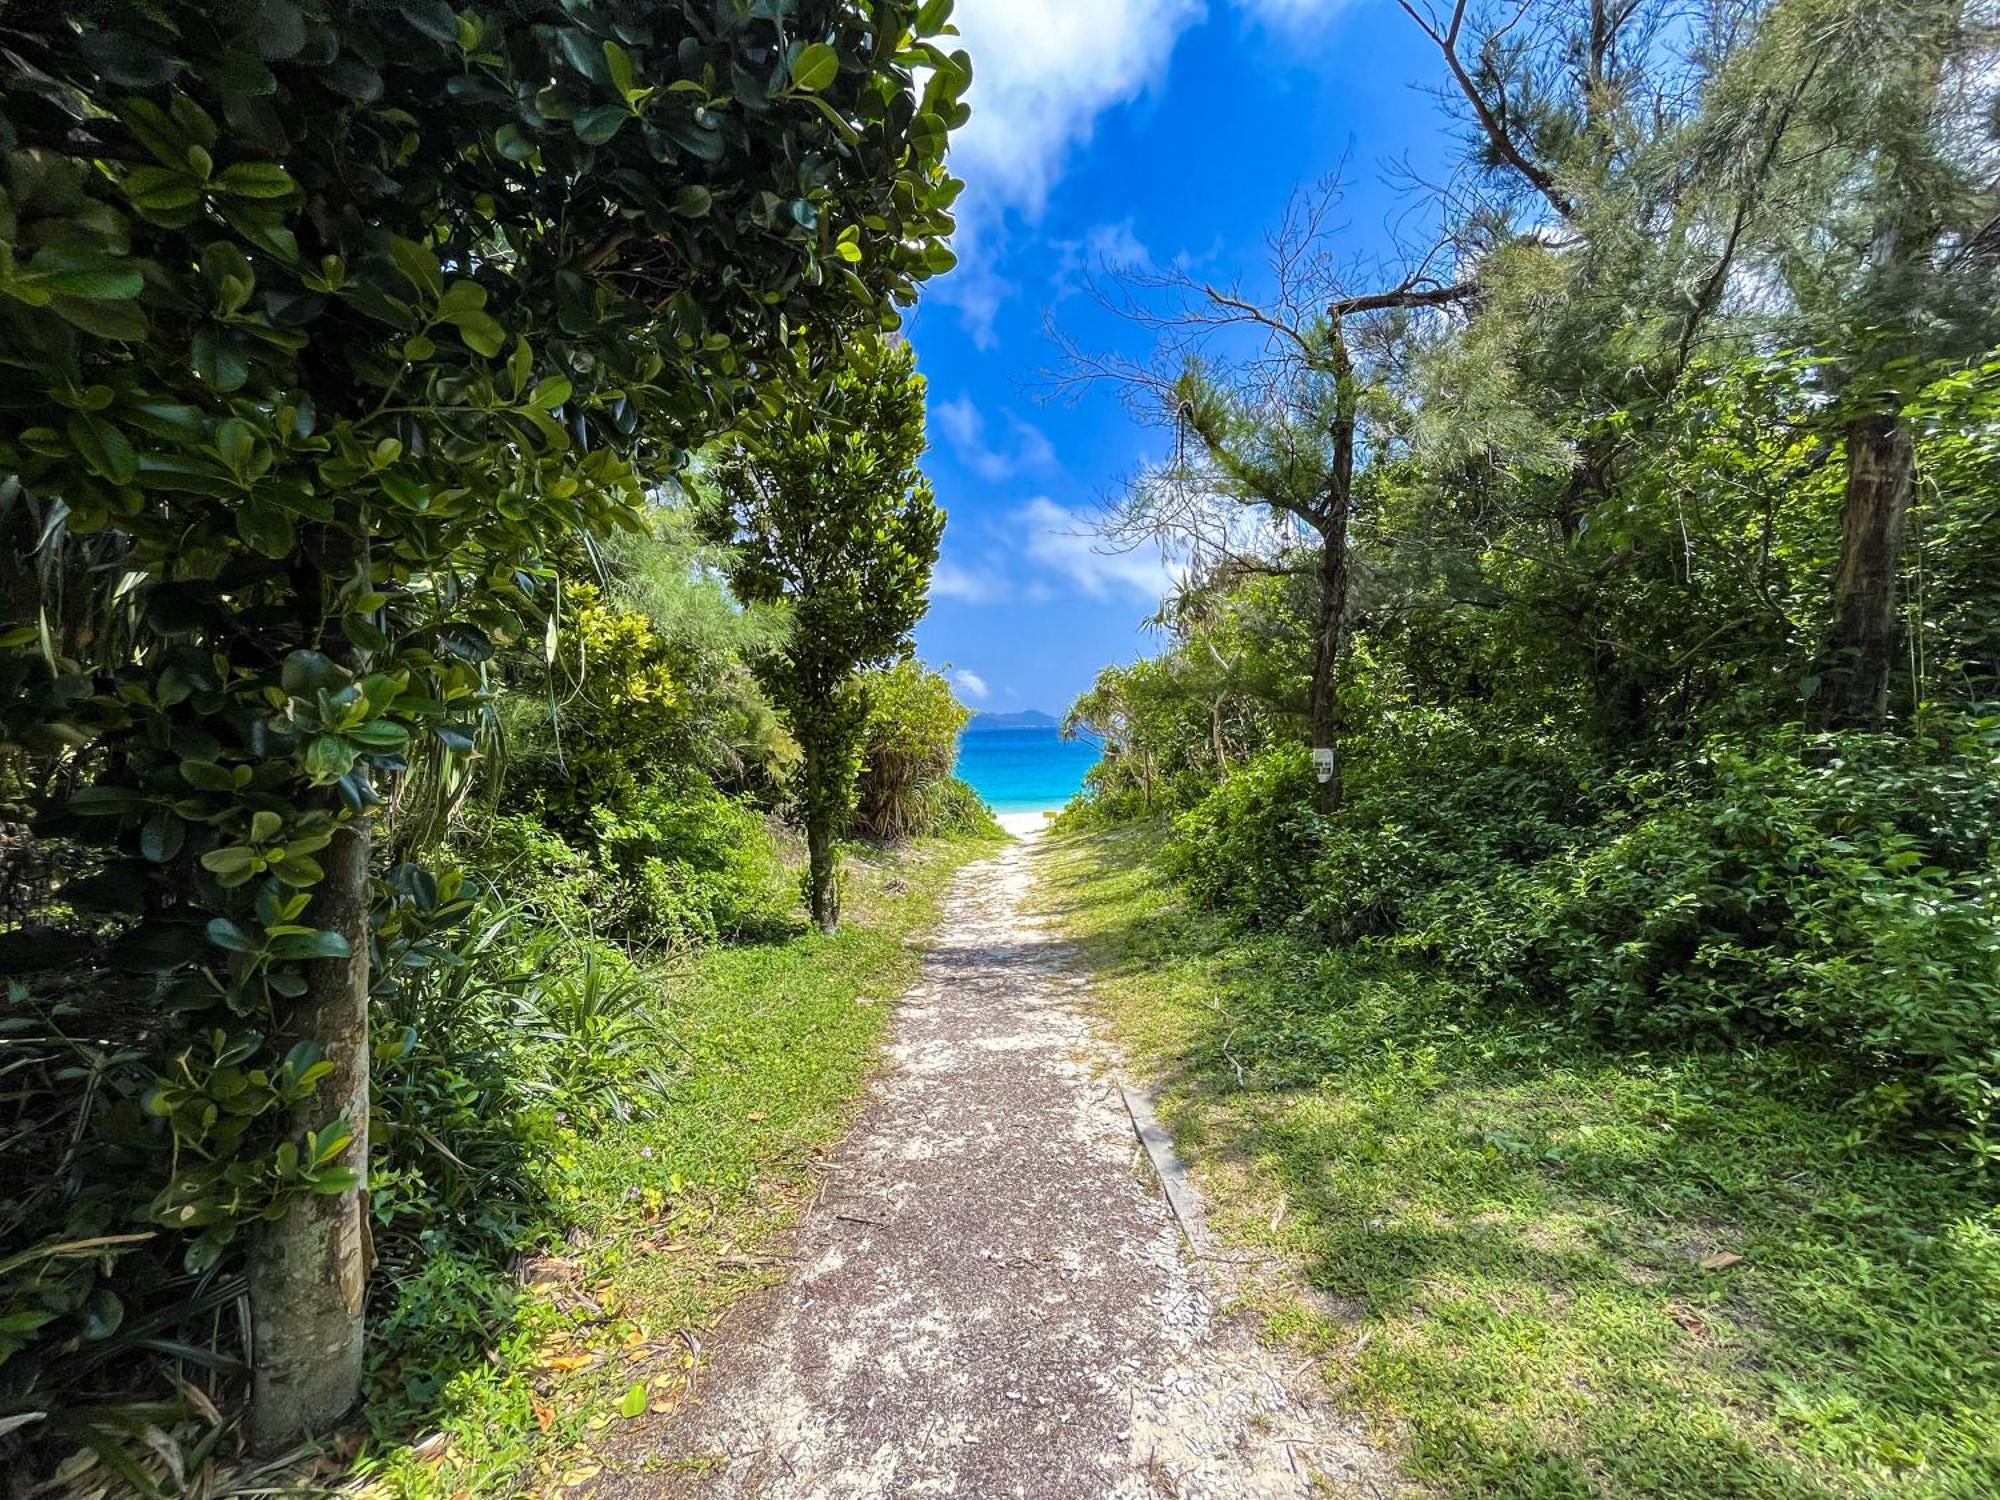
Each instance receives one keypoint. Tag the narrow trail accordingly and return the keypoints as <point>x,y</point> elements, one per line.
<point>993,1299</point>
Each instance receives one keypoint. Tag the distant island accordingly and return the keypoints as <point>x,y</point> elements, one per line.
<point>1027,718</point>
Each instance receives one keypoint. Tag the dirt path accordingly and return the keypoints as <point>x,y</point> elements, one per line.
<point>991,1300</point>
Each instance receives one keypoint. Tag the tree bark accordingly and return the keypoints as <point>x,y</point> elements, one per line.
<point>823,871</point>
<point>1866,639</point>
<point>822,840</point>
<point>308,1271</point>
<point>1323,706</point>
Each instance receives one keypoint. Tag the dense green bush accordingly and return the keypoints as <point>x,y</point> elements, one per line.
<point>1440,795</point>
<point>617,706</point>
<point>1839,891</point>
<point>692,866</point>
<point>541,876</point>
<point>1836,892</point>
<point>949,806</point>
<point>1250,846</point>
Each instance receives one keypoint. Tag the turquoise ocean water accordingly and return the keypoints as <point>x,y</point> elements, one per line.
<point>1024,770</point>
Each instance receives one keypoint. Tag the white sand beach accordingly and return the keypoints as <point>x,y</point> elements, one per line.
<point>1025,824</point>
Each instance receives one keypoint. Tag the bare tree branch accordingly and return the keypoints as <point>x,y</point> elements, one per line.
<point>1492,114</point>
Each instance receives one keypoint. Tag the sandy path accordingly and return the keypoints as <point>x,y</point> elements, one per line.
<point>991,1300</point>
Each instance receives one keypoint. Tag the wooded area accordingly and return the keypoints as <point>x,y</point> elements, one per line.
<point>466,524</point>
<point>1631,548</point>
<point>375,385</point>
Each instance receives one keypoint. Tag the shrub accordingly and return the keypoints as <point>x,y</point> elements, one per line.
<point>692,867</point>
<point>534,871</point>
<point>1249,847</point>
<point>1841,891</point>
<point>1837,892</point>
<point>910,745</point>
<point>949,806</point>
<point>621,710</point>
<point>1435,796</point>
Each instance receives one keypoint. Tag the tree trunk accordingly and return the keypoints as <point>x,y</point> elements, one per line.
<point>823,870</point>
<point>308,1271</point>
<point>1866,640</point>
<point>823,831</point>
<point>1323,706</point>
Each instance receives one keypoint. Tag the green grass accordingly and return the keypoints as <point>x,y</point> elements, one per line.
<point>773,1043</point>
<point>1499,1233</point>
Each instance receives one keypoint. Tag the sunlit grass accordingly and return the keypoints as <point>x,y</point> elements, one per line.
<point>1544,1268</point>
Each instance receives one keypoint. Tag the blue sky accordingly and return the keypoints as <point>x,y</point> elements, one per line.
<point>1109,133</point>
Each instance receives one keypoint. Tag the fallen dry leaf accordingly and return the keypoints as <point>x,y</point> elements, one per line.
<point>432,1448</point>
<point>1720,1260</point>
<point>545,1413</point>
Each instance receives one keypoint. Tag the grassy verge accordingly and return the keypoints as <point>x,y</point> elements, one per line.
<point>669,1211</point>
<point>1546,1269</point>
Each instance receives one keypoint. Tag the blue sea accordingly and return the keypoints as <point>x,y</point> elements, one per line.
<point>1030,769</point>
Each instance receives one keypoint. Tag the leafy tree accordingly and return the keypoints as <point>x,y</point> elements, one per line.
<point>1891,272</point>
<point>320,325</point>
<point>1629,604</point>
<point>828,512</point>
<point>1284,433</point>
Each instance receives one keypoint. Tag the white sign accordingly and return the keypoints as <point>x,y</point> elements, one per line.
<point>1323,764</point>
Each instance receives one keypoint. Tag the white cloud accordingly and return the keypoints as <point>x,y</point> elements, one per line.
<point>971,684</point>
<point>1065,542</point>
<point>1042,72</point>
<point>964,427</point>
<point>967,585</point>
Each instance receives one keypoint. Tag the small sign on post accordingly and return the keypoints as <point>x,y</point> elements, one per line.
<point>1323,764</point>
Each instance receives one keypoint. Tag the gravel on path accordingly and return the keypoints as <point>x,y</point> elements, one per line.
<point>993,1298</point>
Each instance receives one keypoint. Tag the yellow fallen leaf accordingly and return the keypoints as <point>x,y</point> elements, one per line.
<point>569,1361</point>
<point>545,1413</point>
<point>1720,1260</point>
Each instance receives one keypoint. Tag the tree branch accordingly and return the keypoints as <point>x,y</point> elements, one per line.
<point>1491,119</point>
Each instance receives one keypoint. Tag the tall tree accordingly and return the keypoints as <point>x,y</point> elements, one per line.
<point>829,513</point>
<point>319,325</point>
<point>1279,433</point>
<point>1892,274</point>
<point>1821,172</point>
